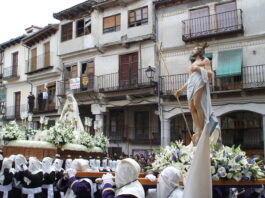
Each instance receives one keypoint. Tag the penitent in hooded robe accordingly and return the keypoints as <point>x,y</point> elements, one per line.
<point>20,161</point>
<point>6,178</point>
<point>48,178</point>
<point>127,184</point>
<point>76,188</point>
<point>58,163</point>
<point>32,180</point>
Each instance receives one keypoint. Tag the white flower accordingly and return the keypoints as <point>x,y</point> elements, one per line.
<point>215,177</point>
<point>237,176</point>
<point>229,175</point>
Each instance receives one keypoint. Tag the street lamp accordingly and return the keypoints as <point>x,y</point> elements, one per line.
<point>150,72</point>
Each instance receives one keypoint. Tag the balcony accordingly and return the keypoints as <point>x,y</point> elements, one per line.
<point>251,77</point>
<point>123,81</point>
<point>40,63</point>
<point>14,112</point>
<point>213,25</point>
<point>49,107</point>
<point>82,85</point>
<point>10,72</point>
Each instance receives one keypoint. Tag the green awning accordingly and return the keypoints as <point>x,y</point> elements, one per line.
<point>207,55</point>
<point>2,94</point>
<point>229,63</point>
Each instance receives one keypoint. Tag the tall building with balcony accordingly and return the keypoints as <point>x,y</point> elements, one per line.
<point>43,70</point>
<point>236,38</point>
<point>105,47</point>
<point>15,88</point>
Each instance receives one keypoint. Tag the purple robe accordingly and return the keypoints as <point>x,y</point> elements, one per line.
<point>81,189</point>
<point>108,192</point>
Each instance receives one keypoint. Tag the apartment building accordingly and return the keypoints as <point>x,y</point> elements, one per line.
<point>236,49</point>
<point>15,88</point>
<point>106,47</point>
<point>43,70</point>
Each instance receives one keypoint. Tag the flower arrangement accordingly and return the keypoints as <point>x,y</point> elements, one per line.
<point>29,133</point>
<point>60,134</point>
<point>12,131</point>
<point>86,139</point>
<point>101,141</point>
<point>226,162</point>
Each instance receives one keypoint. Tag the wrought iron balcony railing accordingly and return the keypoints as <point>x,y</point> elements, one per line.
<point>212,25</point>
<point>14,112</point>
<point>127,80</point>
<point>251,77</point>
<point>79,85</point>
<point>10,72</point>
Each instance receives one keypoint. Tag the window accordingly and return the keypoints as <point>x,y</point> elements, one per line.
<point>138,17</point>
<point>1,62</point>
<point>229,70</point>
<point>47,54</point>
<point>51,95</point>
<point>227,16</point>
<point>141,125</point>
<point>71,72</point>
<point>200,21</point>
<point>87,76</point>
<point>83,27</point>
<point>242,128</point>
<point>67,32</point>
<point>33,59</point>
<point>128,70</point>
<point>116,124</point>
<point>15,63</point>
<point>1,57</point>
<point>112,23</point>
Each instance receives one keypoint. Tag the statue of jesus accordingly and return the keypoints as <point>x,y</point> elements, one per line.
<point>198,92</point>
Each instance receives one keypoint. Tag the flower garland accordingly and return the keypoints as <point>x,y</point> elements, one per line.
<point>226,162</point>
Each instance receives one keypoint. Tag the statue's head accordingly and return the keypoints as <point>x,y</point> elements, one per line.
<point>70,98</point>
<point>199,50</point>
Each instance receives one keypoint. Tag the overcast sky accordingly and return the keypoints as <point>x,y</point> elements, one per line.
<point>16,15</point>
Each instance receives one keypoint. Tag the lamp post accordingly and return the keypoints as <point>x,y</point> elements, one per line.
<point>150,73</point>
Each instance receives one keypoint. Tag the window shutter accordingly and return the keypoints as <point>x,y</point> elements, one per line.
<point>33,59</point>
<point>109,22</point>
<point>118,20</point>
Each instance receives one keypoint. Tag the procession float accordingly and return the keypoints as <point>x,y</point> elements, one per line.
<point>67,137</point>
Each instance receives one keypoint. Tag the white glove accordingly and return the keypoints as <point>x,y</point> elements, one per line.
<point>71,172</point>
<point>24,167</point>
<point>107,179</point>
<point>12,170</point>
<point>151,177</point>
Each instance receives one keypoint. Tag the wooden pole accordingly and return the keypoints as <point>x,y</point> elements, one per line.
<point>181,107</point>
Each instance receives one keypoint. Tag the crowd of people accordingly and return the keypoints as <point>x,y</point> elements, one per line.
<point>56,178</point>
<point>144,161</point>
